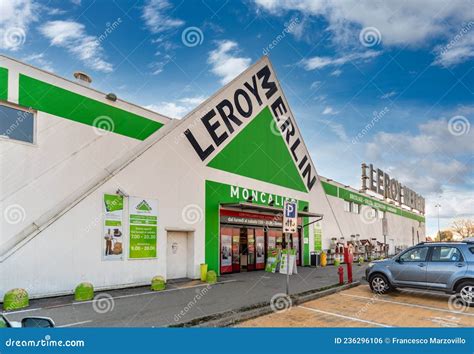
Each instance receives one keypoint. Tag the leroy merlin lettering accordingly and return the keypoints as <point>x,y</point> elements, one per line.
<point>232,113</point>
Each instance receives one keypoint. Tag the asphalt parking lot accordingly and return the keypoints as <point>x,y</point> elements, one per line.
<point>359,307</point>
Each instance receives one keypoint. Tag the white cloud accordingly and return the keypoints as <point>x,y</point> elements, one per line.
<point>39,59</point>
<point>407,23</point>
<point>177,109</point>
<point>15,18</point>
<point>460,48</point>
<point>337,128</point>
<point>329,110</point>
<point>72,36</point>
<point>388,95</point>
<point>156,19</point>
<point>336,73</point>
<point>225,61</point>
<point>316,63</point>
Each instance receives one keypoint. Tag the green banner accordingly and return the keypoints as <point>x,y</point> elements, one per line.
<point>318,236</point>
<point>143,217</point>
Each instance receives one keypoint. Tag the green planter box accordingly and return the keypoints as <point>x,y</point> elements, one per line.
<point>158,283</point>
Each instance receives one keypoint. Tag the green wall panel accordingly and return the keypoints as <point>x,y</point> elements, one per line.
<point>218,193</point>
<point>349,195</point>
<point>63,103</point>
<point>260,152</point>
<point>3,84</point>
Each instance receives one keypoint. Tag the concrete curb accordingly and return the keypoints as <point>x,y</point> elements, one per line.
<point>229,318</point>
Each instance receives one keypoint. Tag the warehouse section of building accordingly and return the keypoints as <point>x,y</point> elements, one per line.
<point>97,189</point>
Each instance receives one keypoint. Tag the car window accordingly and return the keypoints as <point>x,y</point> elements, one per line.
<point>446,254</point>
<point>415,255</point>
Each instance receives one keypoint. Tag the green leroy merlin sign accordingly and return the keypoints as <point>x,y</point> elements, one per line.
<point>143,214</point>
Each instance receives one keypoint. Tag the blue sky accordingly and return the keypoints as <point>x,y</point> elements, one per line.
<point>389,83</point>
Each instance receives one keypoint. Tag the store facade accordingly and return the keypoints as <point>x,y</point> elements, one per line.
<point>153,195</point>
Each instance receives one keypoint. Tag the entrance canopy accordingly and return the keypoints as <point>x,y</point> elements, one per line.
<point>268,209</point>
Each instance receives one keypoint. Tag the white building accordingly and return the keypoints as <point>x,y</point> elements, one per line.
<point>152,195</point>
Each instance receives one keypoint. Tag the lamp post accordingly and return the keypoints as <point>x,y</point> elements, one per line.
<point>438,206</point>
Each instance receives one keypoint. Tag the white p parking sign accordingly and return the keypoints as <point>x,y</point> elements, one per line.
<point>290,220</point>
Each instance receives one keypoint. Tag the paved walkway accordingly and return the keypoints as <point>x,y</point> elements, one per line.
<point>180,302</point>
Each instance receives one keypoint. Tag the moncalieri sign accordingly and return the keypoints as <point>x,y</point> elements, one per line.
<point>380,182</point>
<point>239,106</point>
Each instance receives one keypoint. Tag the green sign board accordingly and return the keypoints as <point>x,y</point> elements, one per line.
<point>143,217</point>
<point>318,236</point>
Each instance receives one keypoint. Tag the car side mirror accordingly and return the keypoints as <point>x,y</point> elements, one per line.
<point>37,322</point>
<point>399,260</point>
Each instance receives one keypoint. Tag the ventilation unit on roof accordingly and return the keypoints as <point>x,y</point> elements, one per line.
<point>83,78</point>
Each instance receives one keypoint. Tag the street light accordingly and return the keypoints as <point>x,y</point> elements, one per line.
<point>438,206</point>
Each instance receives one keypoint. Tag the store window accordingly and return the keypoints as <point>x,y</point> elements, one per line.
<point>347,206</point>
<point>16,124</point>
<point>355,208</point>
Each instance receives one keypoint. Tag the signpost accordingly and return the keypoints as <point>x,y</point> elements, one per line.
<point>290,225</point>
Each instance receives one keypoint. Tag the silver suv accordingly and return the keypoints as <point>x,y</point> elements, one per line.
<point>443,266</point>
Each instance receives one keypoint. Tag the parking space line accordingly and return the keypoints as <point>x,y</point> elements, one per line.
<point>345,317</point>
<point>74,324</point>
<point>410,305</point>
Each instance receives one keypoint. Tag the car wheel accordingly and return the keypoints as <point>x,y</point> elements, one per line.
<point>465,293</point>
<point>379,284</point>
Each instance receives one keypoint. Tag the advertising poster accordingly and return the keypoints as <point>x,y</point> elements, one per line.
<point>291,260</point>
<point>143,214</point>
<point>112,235</point>
<point>272,260</point>
<point>260,258</point>
<point>226,250</point>
<point>318,235</point>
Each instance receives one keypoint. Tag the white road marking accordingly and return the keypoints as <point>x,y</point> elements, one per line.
<point>345,317</point>
<point>153,292</point>
<point>410,305</point>
<point>74,324</point>
<point>6,313</point>
<point>118,297</point>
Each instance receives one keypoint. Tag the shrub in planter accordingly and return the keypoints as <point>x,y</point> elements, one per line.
<point>158,283</point>
<point>15,299</point>
<point>211,277</point>
<point>84,292</point>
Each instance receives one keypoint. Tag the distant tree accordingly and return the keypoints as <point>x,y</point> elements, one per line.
<point>463,227</point>
<point>445,235</point>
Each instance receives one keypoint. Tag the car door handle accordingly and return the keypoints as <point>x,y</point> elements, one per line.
<point>421,265</point>
<point>459,265</point>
